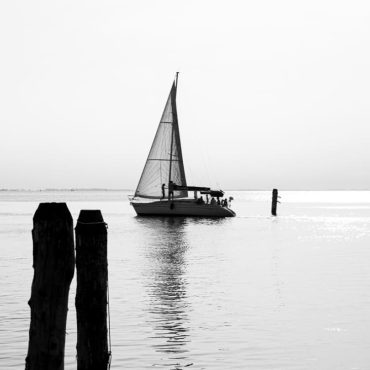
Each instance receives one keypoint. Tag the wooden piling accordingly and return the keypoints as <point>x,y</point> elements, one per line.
<point>274,201</point>
<point>53,263</point>
<point>91,294</point>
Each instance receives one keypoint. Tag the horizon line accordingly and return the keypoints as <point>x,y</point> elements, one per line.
<point>125,189</point>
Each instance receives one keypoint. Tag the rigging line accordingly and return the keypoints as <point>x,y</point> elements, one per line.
<point>170,172</point>
<point>160,170</point>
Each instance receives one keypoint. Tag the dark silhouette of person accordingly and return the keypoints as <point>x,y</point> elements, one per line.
<point>163,191</point>
<point>171,186</point>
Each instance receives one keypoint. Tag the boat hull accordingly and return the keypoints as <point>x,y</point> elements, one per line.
<point>180,208</point>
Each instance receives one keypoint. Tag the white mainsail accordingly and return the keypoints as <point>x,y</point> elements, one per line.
<point>164,162</point>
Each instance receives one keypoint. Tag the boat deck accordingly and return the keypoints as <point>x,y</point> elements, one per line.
<point>180,207</point>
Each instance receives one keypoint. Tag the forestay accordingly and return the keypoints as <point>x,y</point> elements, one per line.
<point>164,161</point>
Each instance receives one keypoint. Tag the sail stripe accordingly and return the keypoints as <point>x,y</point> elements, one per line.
<point>166,160</point>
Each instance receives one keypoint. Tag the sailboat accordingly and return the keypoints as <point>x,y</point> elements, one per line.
<point>162,189</point>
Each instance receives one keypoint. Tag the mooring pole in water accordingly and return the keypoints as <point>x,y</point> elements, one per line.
<point>274,201</point>
<point>53,263</point>
<point>91,294</point>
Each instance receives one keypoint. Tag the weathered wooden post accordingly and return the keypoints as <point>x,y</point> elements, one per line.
<point>53,263</point>
<point>91,294</point>
<point>274,201</point>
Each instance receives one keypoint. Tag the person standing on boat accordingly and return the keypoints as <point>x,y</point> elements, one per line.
<point>230,199</point>
<point>163,191</point>
<point>171,186</point>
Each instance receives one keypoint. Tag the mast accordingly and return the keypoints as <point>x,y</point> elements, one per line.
<point>176,83</point>
<point>174,112</point>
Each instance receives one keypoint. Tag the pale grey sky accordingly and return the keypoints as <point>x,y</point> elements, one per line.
<point>271,93</point>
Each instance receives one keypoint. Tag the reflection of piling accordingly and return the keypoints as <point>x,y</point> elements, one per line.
<point>274,201</point>
<point>91,294</point>
<point>53,263</point>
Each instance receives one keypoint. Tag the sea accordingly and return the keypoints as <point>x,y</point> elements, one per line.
<point>250,292</point>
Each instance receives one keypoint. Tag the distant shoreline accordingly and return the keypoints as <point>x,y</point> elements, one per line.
<point>132,190</point>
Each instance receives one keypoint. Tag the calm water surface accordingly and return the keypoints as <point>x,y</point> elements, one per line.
<point>252,292</point>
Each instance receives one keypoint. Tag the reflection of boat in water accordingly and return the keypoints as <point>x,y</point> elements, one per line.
<point>166,287</point>
<point>164,170</point>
